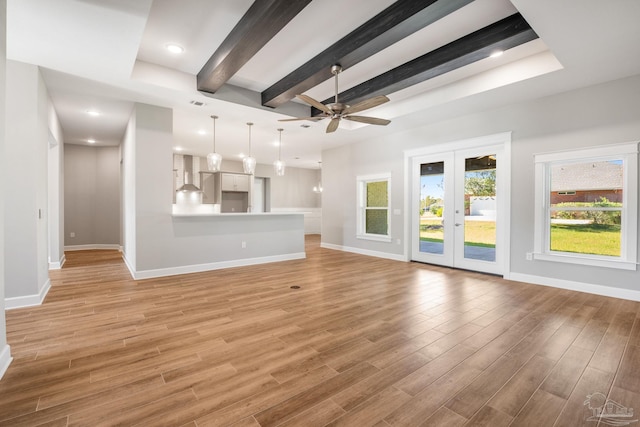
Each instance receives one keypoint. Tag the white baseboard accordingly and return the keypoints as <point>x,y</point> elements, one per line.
<point>607,291</point>
<point>5,359</point>
<point>394,257</point>
<point>186,269</point>
<point>28,300</point>
<point>90,247</point>
<point>57,265</point>
<point>132,270</point>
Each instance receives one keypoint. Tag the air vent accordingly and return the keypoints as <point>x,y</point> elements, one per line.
<point>197,103</point>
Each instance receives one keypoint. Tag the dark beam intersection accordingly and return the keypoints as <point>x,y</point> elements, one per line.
<point>401,19</point>
<point>263,20</point>
<point>502,35</point>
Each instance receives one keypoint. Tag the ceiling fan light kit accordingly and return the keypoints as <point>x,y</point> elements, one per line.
<point>337,111</point>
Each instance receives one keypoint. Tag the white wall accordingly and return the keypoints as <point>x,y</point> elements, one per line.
<point>128,182</point>
<point>92,196</point>
<point>293,192</point>
<point>603,114</point>
<point>341,166</point>
<point>5,352</point>
<point>294,189</point>
<point>165,244</point>
<point>26,201</point>
<point>55,189</point>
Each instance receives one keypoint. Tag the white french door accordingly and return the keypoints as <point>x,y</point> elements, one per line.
<point>458,209</point>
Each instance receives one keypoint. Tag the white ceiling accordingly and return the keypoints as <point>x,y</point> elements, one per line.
<point>108,54</point>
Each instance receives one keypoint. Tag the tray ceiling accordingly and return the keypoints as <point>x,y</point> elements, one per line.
<point>431,59</point>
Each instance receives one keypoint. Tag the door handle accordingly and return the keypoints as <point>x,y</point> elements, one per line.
<point>458,224</point>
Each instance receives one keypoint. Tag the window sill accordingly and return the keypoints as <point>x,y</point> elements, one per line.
<point>594,262</point>
<point>374,237</point>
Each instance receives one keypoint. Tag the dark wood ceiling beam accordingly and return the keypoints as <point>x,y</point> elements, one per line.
<point>263,20</point>
<point>396,22</point>
<point>502,35</point>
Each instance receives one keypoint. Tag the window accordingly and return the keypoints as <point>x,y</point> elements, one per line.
<point>373,207</point>
<point>586,206</point>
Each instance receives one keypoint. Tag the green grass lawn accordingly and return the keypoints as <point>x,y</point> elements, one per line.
<point>586,239</point>
<point>577,238</point>
<point>477,233</point>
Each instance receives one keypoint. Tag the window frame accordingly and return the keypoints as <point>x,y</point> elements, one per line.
<point>628,153</point>
<point>362,182</point>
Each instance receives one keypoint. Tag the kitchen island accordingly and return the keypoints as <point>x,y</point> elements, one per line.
<point>193,241</point>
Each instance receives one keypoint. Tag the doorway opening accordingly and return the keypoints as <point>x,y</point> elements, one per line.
<point>459,207</point>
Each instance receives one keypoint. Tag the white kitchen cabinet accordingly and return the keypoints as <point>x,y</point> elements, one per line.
<point>234,181</point>
<point>232,191</point>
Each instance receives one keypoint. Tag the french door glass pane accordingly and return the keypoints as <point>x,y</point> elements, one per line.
<point>432,207</point>
<point>480,208</point>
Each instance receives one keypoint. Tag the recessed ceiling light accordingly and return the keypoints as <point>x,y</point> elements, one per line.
<point>93,113</point>
<point>174,48</point>
<point>91,141</point>
<point>497,53</point>
<point>202,132</point>
<point>242,155</point>
<point>177,148</point>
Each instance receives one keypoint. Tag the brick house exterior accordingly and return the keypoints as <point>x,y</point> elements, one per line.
<point>586,182</point>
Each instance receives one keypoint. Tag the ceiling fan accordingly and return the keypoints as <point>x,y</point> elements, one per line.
<point>337,110</point>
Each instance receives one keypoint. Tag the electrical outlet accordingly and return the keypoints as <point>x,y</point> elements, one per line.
<point>244,245</point>
<point>72,234</point>
<point>529,256</point>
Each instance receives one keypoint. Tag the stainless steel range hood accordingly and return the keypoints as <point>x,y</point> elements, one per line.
<point>188,175</point>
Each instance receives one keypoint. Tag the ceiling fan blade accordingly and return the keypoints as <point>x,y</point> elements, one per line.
<point>333,125</point>
<point>315,119</point>
<point>366,104</point>
<point>317,104</point>
<point>368,120</point>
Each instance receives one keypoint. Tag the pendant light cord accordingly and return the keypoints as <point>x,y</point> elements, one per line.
<point>214,132</point>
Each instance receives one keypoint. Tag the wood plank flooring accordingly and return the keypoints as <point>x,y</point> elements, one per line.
<point>363,342</point>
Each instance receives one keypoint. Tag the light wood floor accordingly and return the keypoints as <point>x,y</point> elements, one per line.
<point>364,341</point>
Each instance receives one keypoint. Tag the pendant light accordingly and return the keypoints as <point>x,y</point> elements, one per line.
<point>249,163</point>
<point>279,165</point>
<point>318,188</point>
<point>214,160</point>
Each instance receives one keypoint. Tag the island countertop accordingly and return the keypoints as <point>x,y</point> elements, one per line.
<point>229,214</point>
<point>206,210</point>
